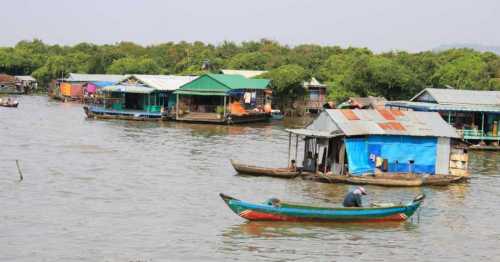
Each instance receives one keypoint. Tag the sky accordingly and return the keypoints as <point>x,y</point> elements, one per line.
<point>381,25</point>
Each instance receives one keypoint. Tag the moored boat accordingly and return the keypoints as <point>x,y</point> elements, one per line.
<point>276,210</point>
<point>264,171</point>
<point>277,115</point>
<point>391,180</point>
<point>8,103</point>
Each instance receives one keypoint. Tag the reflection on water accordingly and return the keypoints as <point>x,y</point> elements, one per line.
<point>148,191</point>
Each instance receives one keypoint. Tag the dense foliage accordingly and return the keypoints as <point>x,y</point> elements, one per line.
<point>347,71</point>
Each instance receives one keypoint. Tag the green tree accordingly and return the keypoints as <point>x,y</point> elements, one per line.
<point>287,83</point>
<point>464,72</point>
<point>130,65</point>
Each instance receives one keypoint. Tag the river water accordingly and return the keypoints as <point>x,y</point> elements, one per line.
<point>136,191</point>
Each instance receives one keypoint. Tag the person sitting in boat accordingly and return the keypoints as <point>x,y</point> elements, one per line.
<point>353,198</point>
<point>309,162</point>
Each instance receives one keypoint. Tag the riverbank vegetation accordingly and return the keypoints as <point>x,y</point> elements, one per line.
<point>346,71</point>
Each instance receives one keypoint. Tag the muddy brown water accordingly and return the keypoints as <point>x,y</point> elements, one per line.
<point>137,191</point>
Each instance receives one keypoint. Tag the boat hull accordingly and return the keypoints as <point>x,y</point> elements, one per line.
<point>10,105</point>
<point>392,180</point>
<point>300,213</point>
<point>264,171</point>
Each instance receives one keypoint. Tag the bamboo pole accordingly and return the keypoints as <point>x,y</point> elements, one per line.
<point>289,147</point>
<point>224,116</point>
<point>296,146</point>
<point>177,107</point>
<point>326,156</point>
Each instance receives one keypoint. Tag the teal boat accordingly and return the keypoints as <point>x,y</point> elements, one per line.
<point>276,210</point>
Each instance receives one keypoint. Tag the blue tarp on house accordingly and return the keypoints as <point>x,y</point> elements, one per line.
<point>398,150</point>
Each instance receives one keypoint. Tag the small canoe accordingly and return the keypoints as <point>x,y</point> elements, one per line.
<point>391,180</point>
<point>264,171</point>
<point>276,115</point>
<point>394,180</point>
<point>11,104</point>
<point>275,210</point>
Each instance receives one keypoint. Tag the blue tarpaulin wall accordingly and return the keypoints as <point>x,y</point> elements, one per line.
<point>398,150</point>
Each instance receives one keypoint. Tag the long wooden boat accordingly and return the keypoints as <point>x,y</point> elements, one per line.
<point>392,180</point>
<point>11,104</point>
<point>275,210</point>
<point>442,180</point>
<point>264,171</point>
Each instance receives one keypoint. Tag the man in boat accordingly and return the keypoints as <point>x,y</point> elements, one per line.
<point>353,198</point>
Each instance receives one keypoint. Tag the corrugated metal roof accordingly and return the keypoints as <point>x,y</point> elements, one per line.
<point>423,106</point>
<point>245,73</point>
<point>73,77</point>
<point>26,78</point>
<point>459,96</point>
<point>377,122</point>
<point>312,133</point>
<point>162,82</point>
<point>138,89</point>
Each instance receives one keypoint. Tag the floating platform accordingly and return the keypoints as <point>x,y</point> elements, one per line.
<point>213,118</point>
<point>137,115</point>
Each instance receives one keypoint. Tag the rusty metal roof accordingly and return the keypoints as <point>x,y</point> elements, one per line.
<point>458,96</point>
<point>382,122</point>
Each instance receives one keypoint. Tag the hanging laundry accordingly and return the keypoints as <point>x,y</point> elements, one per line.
<point>254,98</point>
<point>247,97</point>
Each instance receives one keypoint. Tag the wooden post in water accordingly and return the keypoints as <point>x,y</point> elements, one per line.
<point>19,170</point>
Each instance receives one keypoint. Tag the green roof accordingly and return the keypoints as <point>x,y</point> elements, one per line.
<point>219,83</point>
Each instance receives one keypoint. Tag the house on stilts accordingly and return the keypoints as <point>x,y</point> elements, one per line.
<point>362,145</point>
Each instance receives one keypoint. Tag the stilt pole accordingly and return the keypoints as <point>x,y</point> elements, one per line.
<point>289,147</point>
<point>296,146</point>
<point>326,156</point>
<point>177,107</point>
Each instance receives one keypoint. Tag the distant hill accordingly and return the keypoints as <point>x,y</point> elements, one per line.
<point>477,47</point>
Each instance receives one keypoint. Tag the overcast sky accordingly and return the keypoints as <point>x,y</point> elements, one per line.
<point>380,25</point>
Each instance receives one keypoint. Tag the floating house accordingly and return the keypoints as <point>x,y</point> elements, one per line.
<point>368,143</point>
<point>27,83</point>
<point>8,85</point>
<point>227,99</point>
<point>475,114</point>
<point>76,86</point>
<point>312,102</point>
<point>138,97</point>
<point>316,96</point>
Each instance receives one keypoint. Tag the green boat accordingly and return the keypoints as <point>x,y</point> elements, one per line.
<point>276,210</point>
